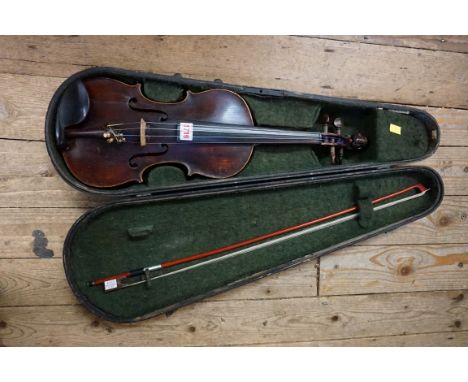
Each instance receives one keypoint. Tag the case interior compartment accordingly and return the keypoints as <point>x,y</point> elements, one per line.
<point>131,234</point>
<point>415,137</point>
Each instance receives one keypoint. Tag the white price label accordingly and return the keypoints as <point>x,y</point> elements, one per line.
<point>110,284</point>
<point>186,131</point>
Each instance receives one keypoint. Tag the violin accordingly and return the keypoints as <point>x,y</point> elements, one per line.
<point>121,133</point>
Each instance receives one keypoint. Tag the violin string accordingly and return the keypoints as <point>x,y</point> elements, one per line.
<point>199,139</point>
<point>177,123</point>
<point>250,132</point>
<point>207,143</point>
<point>221,136</point>
<point>228,136</point>
<point>213,127</point>
<point>238,140</point>
<point>318,137</point>
<point>292,140</point>
<point>236,131</point>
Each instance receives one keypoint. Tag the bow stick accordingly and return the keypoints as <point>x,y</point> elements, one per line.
<point>116,282</point>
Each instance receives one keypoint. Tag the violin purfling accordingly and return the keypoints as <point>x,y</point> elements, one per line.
<point>123,133</point>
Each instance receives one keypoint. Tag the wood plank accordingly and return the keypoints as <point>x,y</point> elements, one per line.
<point>451,44</point>
<point>38,307</point>
<point>383,269</point>
<point>37,68</point>
<point>451,163</point>
<point>28,178</point>
<point>18,227</point>
<point>353,270</point>
<point>447,225</point>
<point>442,43</point>
<point>34,282</point>
<point>36,192</point>
<point>23,105</point>
<point>26,282</point>
<point>359,269</point>
<point>366,71</point>
<point>29,158</point>
<point>22,159</point>
<point>244,321</point>
<point>453,125</point>
<point>426,339</point>
<point>25,120</point>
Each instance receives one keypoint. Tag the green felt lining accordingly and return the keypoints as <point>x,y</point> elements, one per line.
<point>100,245</point>
<point>298,113</point>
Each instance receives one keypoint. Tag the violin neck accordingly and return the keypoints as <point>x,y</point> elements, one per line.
<point>206,133</point>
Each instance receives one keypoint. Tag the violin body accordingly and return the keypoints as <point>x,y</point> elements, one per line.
<point>98,163</point>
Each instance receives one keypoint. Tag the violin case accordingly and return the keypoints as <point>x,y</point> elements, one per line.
<point>171,215</point>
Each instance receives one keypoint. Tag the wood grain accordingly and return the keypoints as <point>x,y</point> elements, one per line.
<point>38,281</point>
<point>36,68</point>
<point>441,43</point>
<point>404,288</point>
<point>18,224</point>
<point>49,191</point>
<point>244,321</point>
<point>353,270</point>
<point>22,118</point>
<point>402,268</point>
<point>313,65</point>
<point>459,338</point>
<point>453,124</point>
<point>23,105</point>
<point>450,162</point>
<point>447,225</point>
<point>30,180</point>
<point>33,282</point>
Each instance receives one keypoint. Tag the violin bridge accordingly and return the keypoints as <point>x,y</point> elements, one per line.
<point>142,132</point>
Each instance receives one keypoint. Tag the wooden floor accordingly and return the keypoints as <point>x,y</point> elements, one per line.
<point>407,287</point>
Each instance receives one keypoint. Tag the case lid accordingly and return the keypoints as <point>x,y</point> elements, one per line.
<point>137,233</point>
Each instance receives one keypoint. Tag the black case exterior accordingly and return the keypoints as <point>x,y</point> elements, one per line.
<point>229,186</point>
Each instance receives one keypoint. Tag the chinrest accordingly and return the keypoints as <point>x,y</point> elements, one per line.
<point>72,109</point>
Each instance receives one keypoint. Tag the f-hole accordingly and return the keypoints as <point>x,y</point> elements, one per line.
<point>159,150</point>
<point>133,104</point>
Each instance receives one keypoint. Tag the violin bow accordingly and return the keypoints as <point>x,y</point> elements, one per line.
<point>116,282</point>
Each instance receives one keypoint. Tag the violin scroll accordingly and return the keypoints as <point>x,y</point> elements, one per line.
<point>357,142</point>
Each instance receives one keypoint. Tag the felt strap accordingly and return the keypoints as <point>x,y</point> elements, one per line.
<point>366,209</point>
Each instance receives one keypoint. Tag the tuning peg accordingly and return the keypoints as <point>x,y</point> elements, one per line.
<point>338,122</point>
<point>325,118</point>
